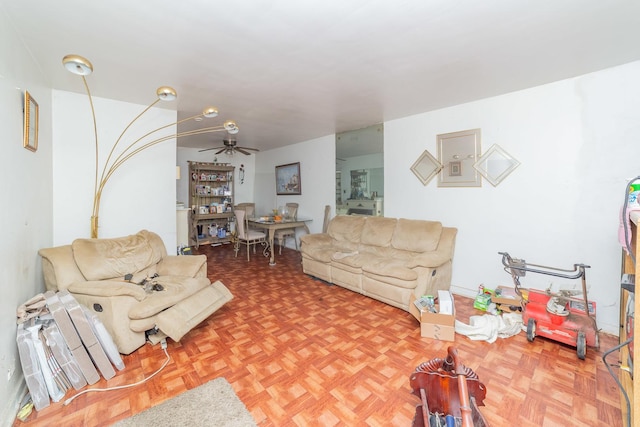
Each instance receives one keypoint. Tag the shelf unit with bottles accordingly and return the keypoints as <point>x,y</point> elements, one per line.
<point>211,200</point>
<point>359,184</point>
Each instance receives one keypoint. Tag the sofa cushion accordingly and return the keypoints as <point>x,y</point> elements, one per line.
<point>175,289</point>
<point>354,259</point>
<point>390,269</point>
<point>378,231</point>
<point>346,228</point>
<point>100,259</point>
<point>416,235</point>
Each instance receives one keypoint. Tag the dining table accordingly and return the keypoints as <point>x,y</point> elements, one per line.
<point>270,224</point>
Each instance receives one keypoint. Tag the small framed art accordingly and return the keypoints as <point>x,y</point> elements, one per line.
<point>30,122</point>
<point>288,179</point>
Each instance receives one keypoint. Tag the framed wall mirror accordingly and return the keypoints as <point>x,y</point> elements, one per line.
<point>457,152</point>
<point>359,165</point>
<point>496,164</point>
<point>426,167</point>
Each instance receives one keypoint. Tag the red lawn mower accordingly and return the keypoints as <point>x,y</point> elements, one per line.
<point>560,316</point>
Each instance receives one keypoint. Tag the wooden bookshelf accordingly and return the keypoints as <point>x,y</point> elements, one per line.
<point>629,383</point>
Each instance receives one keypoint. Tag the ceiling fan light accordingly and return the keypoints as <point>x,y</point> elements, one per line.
<point>77,64</point>
<point>210,112</point>
<point>231,127</point>
<point>166,93</point>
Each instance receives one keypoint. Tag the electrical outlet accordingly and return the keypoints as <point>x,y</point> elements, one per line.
<point>8,365</point>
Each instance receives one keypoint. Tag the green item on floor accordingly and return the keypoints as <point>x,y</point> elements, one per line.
<point>482,301</point>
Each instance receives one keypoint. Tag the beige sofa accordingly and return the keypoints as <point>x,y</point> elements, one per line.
<point>387,259</point>
<point>105,275</point>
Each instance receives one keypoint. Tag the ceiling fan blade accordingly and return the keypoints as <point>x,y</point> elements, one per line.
<point>224,149</point>
<point>247,148</point>
<point>207,149</point>
<point>242,151</point>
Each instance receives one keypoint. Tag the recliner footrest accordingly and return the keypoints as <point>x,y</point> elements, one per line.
<point>176,321</point>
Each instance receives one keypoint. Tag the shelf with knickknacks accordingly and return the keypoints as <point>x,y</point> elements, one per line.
<point>211,195</point>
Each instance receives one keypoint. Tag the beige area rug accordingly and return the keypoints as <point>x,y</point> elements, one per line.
<point>212,404</point>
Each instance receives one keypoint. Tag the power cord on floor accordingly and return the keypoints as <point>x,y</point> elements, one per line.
<point>615,377</point>
<point>163,343</point>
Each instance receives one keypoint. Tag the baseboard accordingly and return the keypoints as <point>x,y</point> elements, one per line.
<point>12,404</point>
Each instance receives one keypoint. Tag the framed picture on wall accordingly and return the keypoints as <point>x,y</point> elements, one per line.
<point>30,122</point>
<point>288,179</point>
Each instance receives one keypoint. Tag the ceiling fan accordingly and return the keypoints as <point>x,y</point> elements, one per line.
<point>230,147</point>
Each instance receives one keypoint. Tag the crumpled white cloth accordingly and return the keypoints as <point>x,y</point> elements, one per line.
<point>489,327</point>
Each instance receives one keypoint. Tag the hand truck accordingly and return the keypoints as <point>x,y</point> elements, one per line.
<point>559,316</point>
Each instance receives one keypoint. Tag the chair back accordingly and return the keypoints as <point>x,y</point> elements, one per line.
<point>241,224</point>
<point>292,210</point>
<point>248,207</point>
<point>327,216</point>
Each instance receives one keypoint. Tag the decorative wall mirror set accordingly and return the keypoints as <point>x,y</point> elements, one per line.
<point>459,163</point>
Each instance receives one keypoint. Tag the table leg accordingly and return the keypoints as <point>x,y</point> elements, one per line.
<point>272,260</point>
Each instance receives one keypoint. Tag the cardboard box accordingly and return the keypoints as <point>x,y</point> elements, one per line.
<point>88,337</point>
<point>71,337</point>
<point>506,296</point>
<point>507,299</point>
<point>435,325</point>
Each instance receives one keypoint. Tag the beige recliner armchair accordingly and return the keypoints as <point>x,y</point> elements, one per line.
<point>133,286</point>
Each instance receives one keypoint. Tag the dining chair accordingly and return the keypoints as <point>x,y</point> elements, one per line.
<point>248,207</point>
<point>245,236</point>
<point>250,210</point>
<point>282,234</point>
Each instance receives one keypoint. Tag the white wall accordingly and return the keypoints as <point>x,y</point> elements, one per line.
<point>25,187</point>
<point>317,178</point>
<point>140,195</point>
<point>577,141</point>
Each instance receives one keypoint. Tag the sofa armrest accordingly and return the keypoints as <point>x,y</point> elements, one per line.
<point>428,260</point>
<point>108,288</point>
<point>183,265</point>
<point>317,239</point>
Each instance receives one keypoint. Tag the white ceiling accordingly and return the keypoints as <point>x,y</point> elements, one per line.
<point>291,70</point>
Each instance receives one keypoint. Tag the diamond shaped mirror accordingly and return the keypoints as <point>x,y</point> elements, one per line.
<point>495,164</point>
<point>426,167</point>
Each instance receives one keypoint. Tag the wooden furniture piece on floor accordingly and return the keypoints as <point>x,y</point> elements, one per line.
<point>447,387</point>
<point>211,193</point>
<point>631,384</point>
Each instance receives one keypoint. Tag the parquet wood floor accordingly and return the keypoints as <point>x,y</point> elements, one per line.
<point>299,352</point>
